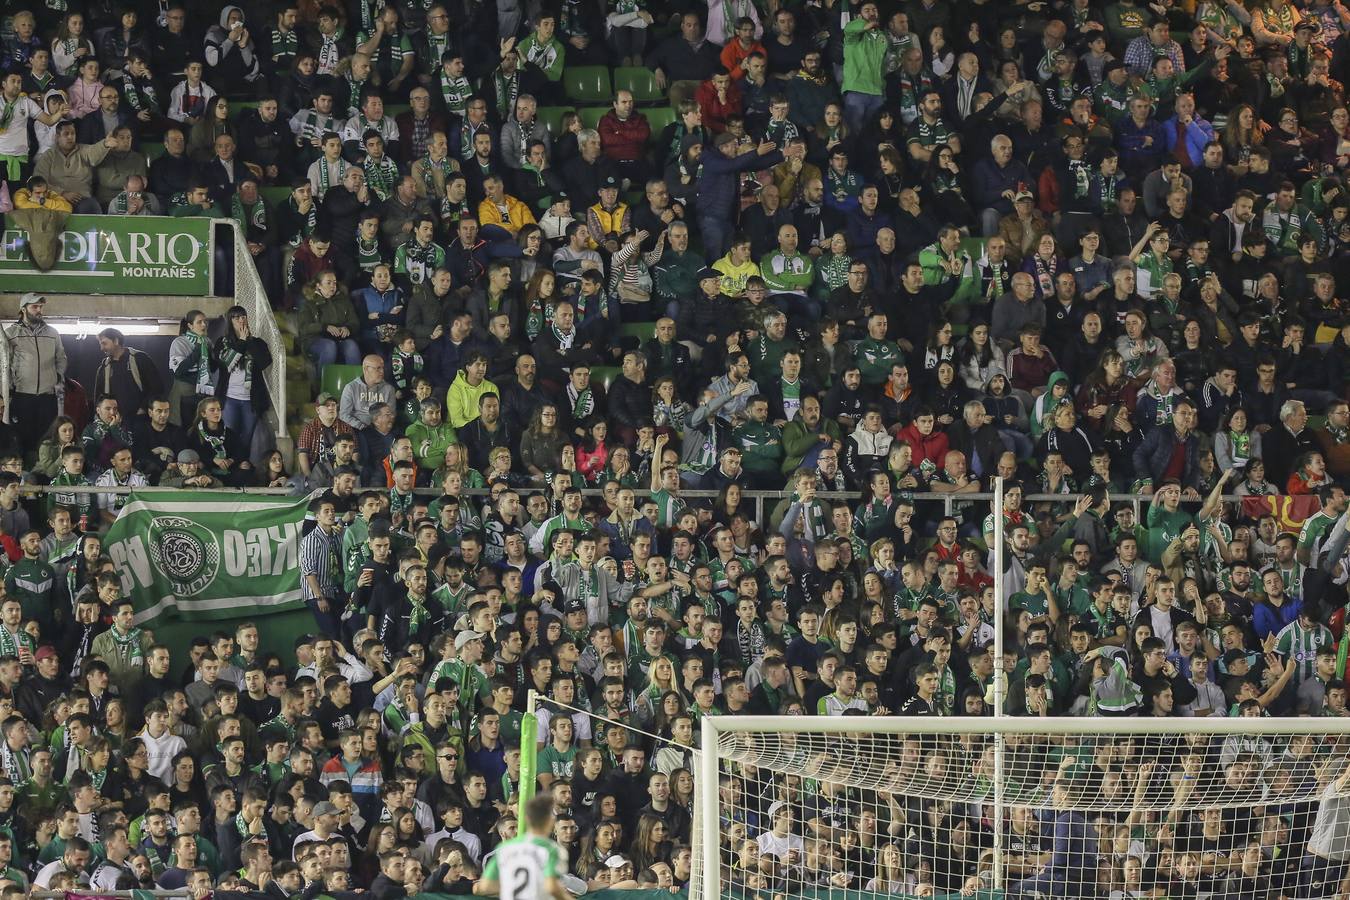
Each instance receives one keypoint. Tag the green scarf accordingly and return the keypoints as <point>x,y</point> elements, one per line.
<point>254,216</point>
<point>1082,178</point>
<point>417,615</point>
<point>215,442</point>
<point>285,45</point>
<point>10,642</point>
<point>506,89</point>
<point>429,168</point>
<point>381,175</point>
<point>201,370</point>
<point>128,645</point>
<point>8,114</point>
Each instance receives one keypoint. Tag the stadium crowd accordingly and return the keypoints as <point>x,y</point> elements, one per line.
<point>875,252</point>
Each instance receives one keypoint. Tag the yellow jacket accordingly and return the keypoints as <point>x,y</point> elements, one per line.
<point>462,399</point>
<point>515,216</point>
<point>734,276</point>
<point>23,199</point>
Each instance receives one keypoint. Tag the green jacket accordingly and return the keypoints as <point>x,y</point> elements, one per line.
<point>765,356</point>
<point>864,58</point>
<point>762,445</point>
<point>875,358</point>
<point>32,583</point>
<point>799,439</point>
<point>788,274</point>
<point>675,275</point>
<point>435,439</point>
<point>317,315</point>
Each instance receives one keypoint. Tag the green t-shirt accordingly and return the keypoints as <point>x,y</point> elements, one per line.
<point>558,762</point>
<point>1036,604</point>
<point>1163,528</point>
<point>523,864</point>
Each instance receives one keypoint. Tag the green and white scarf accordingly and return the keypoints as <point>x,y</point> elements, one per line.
<point>429,169</point>
<point>381,175</point>
<point>127,646</point>
<point>215,441</point>
<point>285,45</point>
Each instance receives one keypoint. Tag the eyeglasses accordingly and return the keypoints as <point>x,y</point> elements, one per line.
<point>447,756</point>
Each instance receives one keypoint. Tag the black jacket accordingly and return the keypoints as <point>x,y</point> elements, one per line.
<point>256,350</point>
<point>265,143</point>
<point>629,403</point>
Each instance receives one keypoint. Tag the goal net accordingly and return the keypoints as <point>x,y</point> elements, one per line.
<point>1241,808</point>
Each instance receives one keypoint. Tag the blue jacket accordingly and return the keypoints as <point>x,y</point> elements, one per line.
<point>719,185</point>
<point>1152,456</point>
<point>861,229</point>
<point>1130,142</point>
<point>368,300</point>
<point>988,182</point>
<point>1073,861</point>
<point>1198,134</point>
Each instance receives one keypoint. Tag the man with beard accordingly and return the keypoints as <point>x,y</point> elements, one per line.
<point>37,366</point>
<point>156,441</point>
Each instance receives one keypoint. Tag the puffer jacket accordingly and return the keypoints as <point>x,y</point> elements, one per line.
<point>37,358</point>
<point>932,446</point>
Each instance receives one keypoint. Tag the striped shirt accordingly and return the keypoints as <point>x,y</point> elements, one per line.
<point>1298,646</point>
<point>320,556</point>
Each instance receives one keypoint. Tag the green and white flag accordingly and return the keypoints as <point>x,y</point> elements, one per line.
<point>203,555</point>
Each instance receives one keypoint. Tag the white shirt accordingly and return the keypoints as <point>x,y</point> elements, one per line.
<point>581,725</point>
<point>772,844</point>
<point>14,139</point>
<point>51,870</point>
<point>358,125</point>
<point>161,751</point>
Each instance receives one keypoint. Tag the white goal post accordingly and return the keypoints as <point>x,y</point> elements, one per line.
<point>1165,775</point>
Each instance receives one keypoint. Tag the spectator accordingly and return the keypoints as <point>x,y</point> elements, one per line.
<point>37,360</point>
<point>125,373</point>
<point>360,395</point>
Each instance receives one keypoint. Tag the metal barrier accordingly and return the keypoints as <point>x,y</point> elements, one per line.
<point>115,895</point>
<point>761,499</point>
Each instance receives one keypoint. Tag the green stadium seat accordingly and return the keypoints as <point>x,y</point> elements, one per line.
<point>659,117</point>
<point>605,375</point>
<point>588,84</point>
<point>643,331</point>
<point>974,246</point>
<point>152,151</point>
<point>335,377</point>
<point>591,115</point>
<point>551,117</point>
<point>640,81</point>
<point>394,109</point>
<point>276,196</point>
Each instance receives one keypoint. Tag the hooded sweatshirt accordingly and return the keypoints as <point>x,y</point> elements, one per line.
<point>227,62</point>
<point>1045,403</point>
<point>1116,692</point>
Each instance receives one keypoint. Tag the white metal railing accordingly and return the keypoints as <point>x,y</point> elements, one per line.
<point>251,295</point>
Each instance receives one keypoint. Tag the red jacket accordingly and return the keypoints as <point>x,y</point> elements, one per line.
<point>624,141</point>
<point>733,54</point>
<point>715,113</point>
<point>932,446</point>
